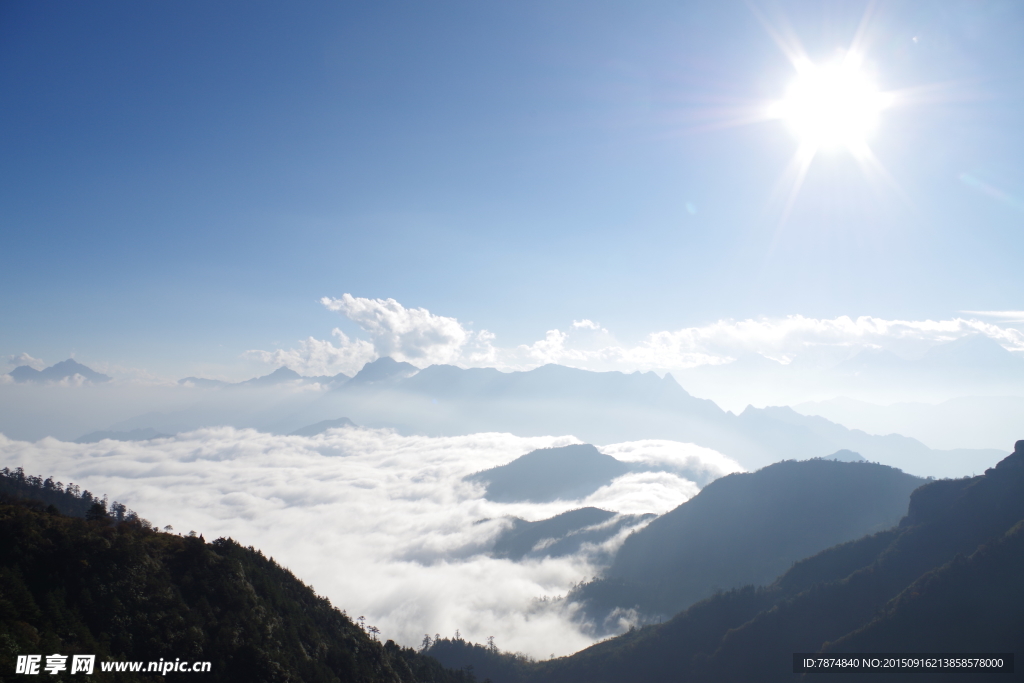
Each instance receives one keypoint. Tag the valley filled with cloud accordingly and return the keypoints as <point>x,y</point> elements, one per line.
<point>382,524</point>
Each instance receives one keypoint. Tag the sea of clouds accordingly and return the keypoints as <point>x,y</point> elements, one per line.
<point>380,523</point>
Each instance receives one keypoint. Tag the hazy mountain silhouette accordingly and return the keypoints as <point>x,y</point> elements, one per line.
<point>946,579</point>
<point>547,474</point>
<point>845,455</point>
<point>57,372</point>
<point>596,407</point>
<point>384,370</point>
<point>807,436</point>
<point>747,528</point>
<point>280,376</point>
<point>967,421</point>
<point>612,407</point>
<point>25,373</point>
<point>562,534</point>
<point>144,434</point>
<point>321,427</point>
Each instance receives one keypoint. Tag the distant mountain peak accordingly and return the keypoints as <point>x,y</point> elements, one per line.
<point>284,371</point>
<point>25,373</point>
<point>57,372</point>
<point>282,374</point>
<point>845,455</point>
<point>69,365</point>
<point>547,474</point>
<point>384,369</point>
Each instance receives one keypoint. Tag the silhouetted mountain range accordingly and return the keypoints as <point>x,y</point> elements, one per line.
<point>946,579</point>
<point>383,371</point>
<point>66,369</point>
<point>964,422</point>
<point>596,407</point>
<point>746,528</point>
<point>612,407</point>
<point>282,375</point>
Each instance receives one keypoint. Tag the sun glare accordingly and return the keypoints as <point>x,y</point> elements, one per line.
<point>831,105</point>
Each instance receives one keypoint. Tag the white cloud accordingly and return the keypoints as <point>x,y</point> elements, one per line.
<point>408,334</point>
<point>74,380</point>
<point>695,462</point>
<point>25,359</point>
<point>589,346</point>
<point>380,523</point>
<point>315,357</point>
<point>781,339</point>
<point>418,336</point>
<point>1006,316</point>
<point>639,492</point>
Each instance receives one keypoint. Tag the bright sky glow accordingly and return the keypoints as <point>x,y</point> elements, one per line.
<point>501,163</point>
<point>831,105</point>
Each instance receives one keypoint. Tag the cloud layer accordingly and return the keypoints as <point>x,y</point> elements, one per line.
<point>420,337</point>
<point>315,357</point>
<point>382,524</point>
<point>409,334</point>
<point>25,359</point>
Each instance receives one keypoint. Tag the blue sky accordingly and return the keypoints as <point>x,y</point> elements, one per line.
<point>181,182</point>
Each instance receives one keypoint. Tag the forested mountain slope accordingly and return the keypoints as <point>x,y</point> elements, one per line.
<point>123,591</point>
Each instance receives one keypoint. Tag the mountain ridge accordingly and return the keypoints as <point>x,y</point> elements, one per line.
<point>951,566</point>
<point>66,369</point>
<point>614,407</point>
<point>746,528</point>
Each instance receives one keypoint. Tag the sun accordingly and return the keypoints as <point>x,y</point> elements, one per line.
<point>831,105</point>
